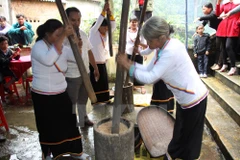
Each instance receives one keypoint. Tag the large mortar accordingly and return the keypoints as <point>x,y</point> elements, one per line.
<point>110,146</point>
<point>127,98</point>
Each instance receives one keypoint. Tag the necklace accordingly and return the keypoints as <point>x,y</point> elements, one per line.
<point>55,64</point>
<point>159,51</point>
<point>103,43</point>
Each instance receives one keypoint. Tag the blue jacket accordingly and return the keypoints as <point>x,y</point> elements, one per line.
<point>27,34</point>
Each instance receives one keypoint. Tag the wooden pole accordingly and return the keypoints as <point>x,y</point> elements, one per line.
<point>120,70</point>
<point>136,43</point>
<point>109,32</point>
<point>78,57</point>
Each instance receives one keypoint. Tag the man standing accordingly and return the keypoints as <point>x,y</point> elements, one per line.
<point>21,32</point>
<point>139,6</point>
<point>76,89</point>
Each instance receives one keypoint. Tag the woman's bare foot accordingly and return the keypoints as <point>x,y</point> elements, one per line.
<point>140,89</point>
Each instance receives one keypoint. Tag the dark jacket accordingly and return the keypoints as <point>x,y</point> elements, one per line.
<point>6,59</point>
<point>202,43</point>
<point>212,19</point>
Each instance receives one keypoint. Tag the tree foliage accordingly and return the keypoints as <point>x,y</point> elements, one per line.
<point>171,10</point>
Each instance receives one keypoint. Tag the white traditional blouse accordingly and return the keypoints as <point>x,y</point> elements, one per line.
<point>131,38</point>
<point>176,69</point>
<point>48,68</point>
<point>72,70</point>
<point>100,43</point>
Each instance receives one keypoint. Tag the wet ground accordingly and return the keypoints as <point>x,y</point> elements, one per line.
<point>22,139</point>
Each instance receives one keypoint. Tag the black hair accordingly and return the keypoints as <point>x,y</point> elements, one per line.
<point>48,27</point>
<point>20,15</point>
<point>133,18</point>
<point>208,5</point>
<point>72,9</point>
<point>3,38</point>
<point>171,30</point>
<point>104,23</point>
<point>2,18</point>
<point>199,26</point>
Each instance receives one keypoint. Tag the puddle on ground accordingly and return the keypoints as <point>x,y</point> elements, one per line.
<point>21,142</point>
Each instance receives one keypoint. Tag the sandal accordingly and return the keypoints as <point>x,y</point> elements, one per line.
<point>84,156</point>
<point>232,71</point>
<point>141,89</point>
<point>8,90</point>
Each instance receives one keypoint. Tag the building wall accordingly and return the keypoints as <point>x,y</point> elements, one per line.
<point>89,9</point>
<point>35,12</point>
<point>4,9</point>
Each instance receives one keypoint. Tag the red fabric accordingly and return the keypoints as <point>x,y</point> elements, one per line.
<point>3,119</point>
<point>141,2</point>
<point>228,27</point>
<point>20,66</point>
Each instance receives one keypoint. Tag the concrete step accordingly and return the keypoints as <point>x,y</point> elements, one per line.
<point>228,99</point>
<point>232,82</point>
<point>224,129</point>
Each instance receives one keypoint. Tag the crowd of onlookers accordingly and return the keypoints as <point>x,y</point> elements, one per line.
<point>20,33</point>
<point>58,89</point>
<point>225,20</point>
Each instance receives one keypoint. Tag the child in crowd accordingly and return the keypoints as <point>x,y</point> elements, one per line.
<point>6,55</point>
<point>211,18</point>
<point>130,41</point>
<point>201,49</point>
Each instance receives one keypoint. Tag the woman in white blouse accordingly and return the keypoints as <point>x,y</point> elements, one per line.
<point>173,65</point>
<point>56,124</point>
<point>99,39</point>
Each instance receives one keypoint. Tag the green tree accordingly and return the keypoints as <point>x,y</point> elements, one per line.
<point>171,10</point>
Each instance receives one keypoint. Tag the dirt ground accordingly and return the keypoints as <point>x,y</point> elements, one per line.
<point>22,140</point>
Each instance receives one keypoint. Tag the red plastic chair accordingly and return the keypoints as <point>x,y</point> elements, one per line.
<point>12,87</point>
<point>3,121</point>
<point>28,94</point>
<point>2,94</point>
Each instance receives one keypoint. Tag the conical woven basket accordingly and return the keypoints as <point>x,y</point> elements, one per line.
<point>156,128</point>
